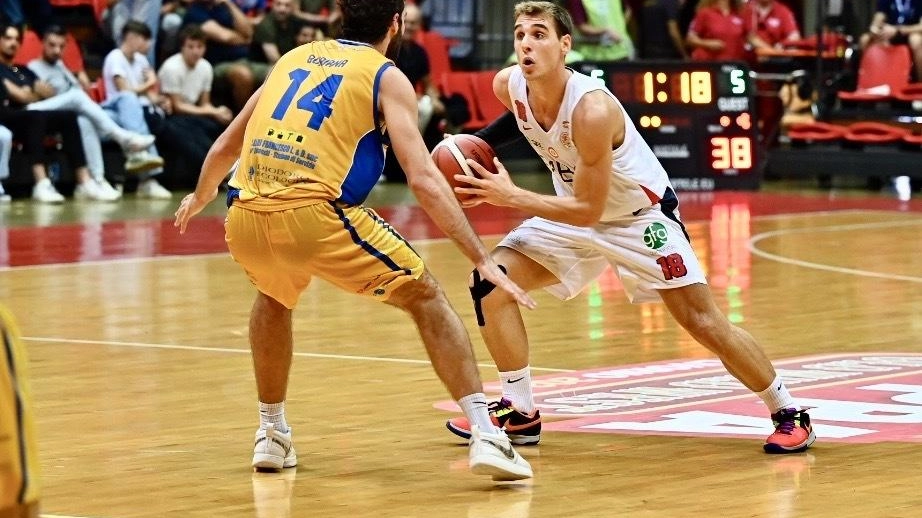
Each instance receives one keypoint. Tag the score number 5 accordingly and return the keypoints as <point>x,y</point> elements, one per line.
<point>731,153</point>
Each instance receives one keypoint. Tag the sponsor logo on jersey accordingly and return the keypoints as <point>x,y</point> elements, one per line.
<point>521,111</point>
<point>655,236</point>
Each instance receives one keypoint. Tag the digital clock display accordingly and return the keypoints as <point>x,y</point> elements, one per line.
<point>697,118</point>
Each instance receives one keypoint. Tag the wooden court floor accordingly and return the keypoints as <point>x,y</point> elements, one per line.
<point>145,398</point>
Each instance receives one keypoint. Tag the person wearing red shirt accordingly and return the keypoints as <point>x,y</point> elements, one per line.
<point>718,32</point>
<point>769,23</point>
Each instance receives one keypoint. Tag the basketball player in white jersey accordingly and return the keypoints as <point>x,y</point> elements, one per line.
<point>614,205</point>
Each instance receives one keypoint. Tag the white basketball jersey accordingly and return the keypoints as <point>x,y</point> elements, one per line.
<point>638,180</point>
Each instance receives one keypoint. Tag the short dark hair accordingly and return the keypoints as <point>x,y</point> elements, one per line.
<point>5,26</point>
<point>368,20</point>
<point>136,27</point>
<point>57,30</point>
<point>192,32</point>
<point>561,17</point>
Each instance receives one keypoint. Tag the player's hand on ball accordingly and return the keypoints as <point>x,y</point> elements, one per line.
<point>493,188</point>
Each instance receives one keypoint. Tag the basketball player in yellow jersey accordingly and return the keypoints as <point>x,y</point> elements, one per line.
<point>311,146</point>
<point>18,457</point>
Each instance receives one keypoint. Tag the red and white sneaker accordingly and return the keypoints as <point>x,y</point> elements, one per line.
<point>521,428</point>
<point>793,432</point>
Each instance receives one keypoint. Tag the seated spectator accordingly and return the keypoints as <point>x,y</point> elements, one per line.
<point>126,72</point>
<point>276,33</point>
<point>718,32</point>
<point>31,128</point>
<point>94,121</point>
<point>898,22</point>
<point>434,117</point>
<point>186,79</point>
<point>143,11</point>
<point>454,19</point>
<point>6,147</point>
<point>229,34</point>
<point>23,89</point>
<point>320,13</point>
<point>307,33</point>
<point>602,25</point>
<point>769,24</point>
<point>660,34</point>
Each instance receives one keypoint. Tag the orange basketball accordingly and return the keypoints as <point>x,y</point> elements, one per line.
<point>450,153</point>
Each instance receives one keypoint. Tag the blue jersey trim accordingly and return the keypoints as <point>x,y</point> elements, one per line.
<point>381,256</point>
<point>368,160</point>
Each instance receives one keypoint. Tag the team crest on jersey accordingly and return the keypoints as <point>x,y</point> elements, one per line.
<point>565,140</point>
<point>553,152</point>
<point>521,111</point>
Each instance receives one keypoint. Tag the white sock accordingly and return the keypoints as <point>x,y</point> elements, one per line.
<point>475,408</point>
<point>776,396</point>
<point>273,413</point>
<point>517,388</point>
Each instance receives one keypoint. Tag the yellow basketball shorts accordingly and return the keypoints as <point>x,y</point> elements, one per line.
<point>350,247</point>
<point>19,486</point>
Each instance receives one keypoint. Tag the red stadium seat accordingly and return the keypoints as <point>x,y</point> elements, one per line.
<point>436,47</point>
<point>490,107</point>
<point>97,6</point>
<point>909,93</point>
<point>462,83</point>
<point>871,133</point>
<point>913,140</point>
<point>811,132</point>
<point>884,70</point>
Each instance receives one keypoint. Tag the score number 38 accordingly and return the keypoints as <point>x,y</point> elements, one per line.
<point>731,153</point>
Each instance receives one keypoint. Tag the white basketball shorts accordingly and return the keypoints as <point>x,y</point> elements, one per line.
<point>649,252</point>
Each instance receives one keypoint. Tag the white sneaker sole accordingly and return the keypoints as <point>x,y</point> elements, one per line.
<point>267,461</point>
<point>499,469</point>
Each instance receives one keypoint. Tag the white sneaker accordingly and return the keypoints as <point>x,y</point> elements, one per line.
<point>273,449</point>
<point>903,188</point>
<point>133,142</point>
<point>142,162</point>
<point>96,190</point>
<point>4,197</point>
<point>492,454</point>
<point>44,192</point>
<point>151,189</point>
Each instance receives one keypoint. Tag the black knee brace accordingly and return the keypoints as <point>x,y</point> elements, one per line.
<point>480,288</point>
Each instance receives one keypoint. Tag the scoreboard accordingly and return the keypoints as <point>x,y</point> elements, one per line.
<point>697,116</point>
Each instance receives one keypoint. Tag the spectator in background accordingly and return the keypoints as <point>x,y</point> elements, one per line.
<point>143,11</point>
<point>6,147</point>
<point>171,15</point>
<point>602,25</point>
<point>38,14</point>
<point>24,90</point>
<point>186,79</point>
<point>898,22</point>
<point>307,33</point>
<point>254,9</point>
<point>229,34</point>
<point>769,24</point>
<point>660,34</point>
<point>718,31</point>
<point>456,20</point>
<point>126,72</point>
<point>93,120</point>
<point>276,33</point>
<point>325,13</point>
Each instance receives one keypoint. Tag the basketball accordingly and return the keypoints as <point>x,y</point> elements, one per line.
<point>449,156</point>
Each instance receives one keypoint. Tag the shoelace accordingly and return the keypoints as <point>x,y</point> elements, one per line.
<point>496,406</point>
<point>786,422</point>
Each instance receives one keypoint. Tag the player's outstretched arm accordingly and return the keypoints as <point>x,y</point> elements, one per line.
<point>220,158</point>
<point>397,101</point>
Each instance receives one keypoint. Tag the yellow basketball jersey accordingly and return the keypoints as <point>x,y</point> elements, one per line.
<point>315,134</point>
<point>19,487</point>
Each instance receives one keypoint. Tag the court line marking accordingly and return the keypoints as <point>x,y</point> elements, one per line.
<point>162,258</point>
<point>754,240</point>
<point>173,347</point>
